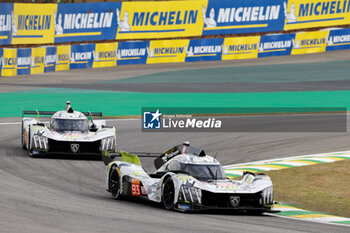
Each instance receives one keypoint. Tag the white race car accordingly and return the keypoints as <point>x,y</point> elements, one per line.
<point>187,179</point>
<point>68,132</point>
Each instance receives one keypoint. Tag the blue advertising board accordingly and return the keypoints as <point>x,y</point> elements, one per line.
<point>276,45</point>
<point>82,56</point>
<point>86,21</point>
<point>133,52</point>
<point>204,50</point>
<point>6,24</point>
<point>237,16</point>
<point>1,59</point>
<point>24,56</point>
<point>338,39</point>
<point>50,59</point>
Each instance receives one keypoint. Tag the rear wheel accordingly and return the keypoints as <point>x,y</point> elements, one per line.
<point>30,149</point>
<point>23,139</point>
<point>168,195</point>
<point>114,182</point>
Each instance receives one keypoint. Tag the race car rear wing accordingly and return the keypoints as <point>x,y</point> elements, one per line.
<point>50,113</point>
<point>108,157</point>
<point>161,158</point>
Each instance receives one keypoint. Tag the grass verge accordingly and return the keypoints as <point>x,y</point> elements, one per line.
<point>323,188</point>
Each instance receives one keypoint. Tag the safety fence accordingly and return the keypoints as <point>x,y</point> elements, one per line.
<point>22,23</point>
<point>24,61</point>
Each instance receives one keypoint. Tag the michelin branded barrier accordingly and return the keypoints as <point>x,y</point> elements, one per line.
<point>22,23</point>
<point>24,61</point>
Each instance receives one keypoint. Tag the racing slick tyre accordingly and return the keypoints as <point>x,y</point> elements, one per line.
<point>114,182</point>
<point>30,152</point>
<point>168,194</point>
<point>22,138</point>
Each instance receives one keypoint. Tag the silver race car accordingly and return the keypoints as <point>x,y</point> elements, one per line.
<point>68,132</point>
<point>186,179</point>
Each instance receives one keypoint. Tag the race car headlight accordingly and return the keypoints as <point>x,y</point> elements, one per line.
<point>267,196</point>
<point>40,142</point>
<point>108,144</point>
<point>190,194</point>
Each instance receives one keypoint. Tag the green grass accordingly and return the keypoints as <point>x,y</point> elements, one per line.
<point>322,188</point>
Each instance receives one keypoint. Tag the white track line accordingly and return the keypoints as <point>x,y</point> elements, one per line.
<point>18,122</point>
<point>10,123</point>
<point>282,159</point>
<point>306,220</point>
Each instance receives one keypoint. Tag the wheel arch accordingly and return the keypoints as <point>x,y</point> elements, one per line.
<point>114,167</point>
<point>163,199</point>
<point>108,173</point>
<point>177,184</point>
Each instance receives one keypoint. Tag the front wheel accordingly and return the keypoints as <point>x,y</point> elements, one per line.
<point>114,182</point>
<point>30,149</point>
<point>23,139</point>
<point>168,194</point>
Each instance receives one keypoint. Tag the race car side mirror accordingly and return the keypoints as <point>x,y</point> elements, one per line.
<point>106,158</point>
<point>93,128</point>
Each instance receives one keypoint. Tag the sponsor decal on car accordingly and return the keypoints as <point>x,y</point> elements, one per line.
<point>35,152</point>
<point>68,135</point>
<point>227,186</point>
<point>184,207</point>
<point>25,138</point>
<point>143,190</point>
<point>182,177</point>
<point>135,187</point>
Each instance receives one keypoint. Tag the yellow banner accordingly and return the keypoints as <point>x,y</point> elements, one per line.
<point>38,60</point>
<point>310,42</point>
<point>240,47</point>
<point>144,20</point>
<point>316,13</point>
<point>105,55</point>
<point>62,60</point>
<point>9,65</point>
<point>164,51</point>
<point>33,23</point>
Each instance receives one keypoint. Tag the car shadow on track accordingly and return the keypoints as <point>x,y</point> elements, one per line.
<point>229,212</point>
<point>135,202</point>
<point>24,153</point>
<point>70,157</point>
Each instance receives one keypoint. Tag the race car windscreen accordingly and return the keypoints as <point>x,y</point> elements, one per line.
<point>70,125</point>
<point>205,172</point>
